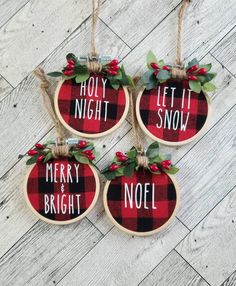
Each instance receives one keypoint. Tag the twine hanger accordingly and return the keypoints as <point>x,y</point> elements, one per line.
<point>92,64</point>
<point>178,71</point>
<point>141,157</point>
<point>61,148</point>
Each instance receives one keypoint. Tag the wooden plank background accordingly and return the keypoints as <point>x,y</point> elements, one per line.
<point>199,247</point>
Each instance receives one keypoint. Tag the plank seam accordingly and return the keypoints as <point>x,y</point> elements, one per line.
<point>221,64</point>
<point>193,268</point>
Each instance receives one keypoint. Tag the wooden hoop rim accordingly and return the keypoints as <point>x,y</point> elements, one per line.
<point>39,216</point>
<point>169,143</point>
<point>146,233</point>
<point>86,135</point>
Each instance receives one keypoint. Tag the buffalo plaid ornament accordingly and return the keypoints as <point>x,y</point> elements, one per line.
<point>172,113</point>
<point>91,108</point>
<point>143,203</point>
<point>61,191</point>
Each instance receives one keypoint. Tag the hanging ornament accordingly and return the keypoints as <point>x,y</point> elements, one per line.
<point>92,98</point>
<point>141,195</point>
<point>62,185</point>
<point>173,108</point>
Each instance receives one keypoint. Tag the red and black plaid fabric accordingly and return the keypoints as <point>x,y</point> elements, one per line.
<point>197,112</point>
<point>37,188</point>
<point>70,91</point>
<point>142,219</point>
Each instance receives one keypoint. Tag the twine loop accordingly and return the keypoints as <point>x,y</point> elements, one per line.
<point>94,66</point>
<point>142,161</point>
<point>60,151</point>
<point>178,73</point>
<point>182,10</point>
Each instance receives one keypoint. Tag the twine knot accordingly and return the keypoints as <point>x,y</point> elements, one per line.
<point>60,151</point>
<point>142,161</point>
<point>178,73</point>
<point>94,66</point>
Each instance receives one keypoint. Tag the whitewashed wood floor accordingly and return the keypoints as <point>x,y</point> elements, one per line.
<point>199,247</point>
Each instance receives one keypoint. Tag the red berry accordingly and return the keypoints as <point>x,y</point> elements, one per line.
<point>166,164</point>
<point>202,71</point>
<point>40,158</point>
<point>32,152</point>
<point>154,66</point>
<point>68,72</point>
<point>70,67</point>
<point>39,146</point>
<point>155,73</point>
<point>88,152</point>
<point>113,167</point>
<point>91,157</point>
<point>166,68</point>
<point>71,62</point>
<point>123,158</point>
<point>82,144</point>
<point>192,68</point>
<point>153,167</point>
<point>119,154</point>
<point>111,72</point>
<point>192,77</point>
<point>114,62</point>
<point>114,68</point>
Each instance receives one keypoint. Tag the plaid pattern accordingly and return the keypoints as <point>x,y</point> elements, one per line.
<point>70,91</point>
<point>197,113</point>
<point>37,187</point>
<point>142,219</point>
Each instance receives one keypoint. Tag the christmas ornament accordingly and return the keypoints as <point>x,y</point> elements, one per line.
<point>141,195</point>
<point>92,98</point>
<point>173,108</point>
<point>62,186</point>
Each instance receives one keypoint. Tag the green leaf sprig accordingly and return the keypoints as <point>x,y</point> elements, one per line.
<point>78,71</point>
<point>83,152</point>
<point>198,75</point>
<point>126,164</point>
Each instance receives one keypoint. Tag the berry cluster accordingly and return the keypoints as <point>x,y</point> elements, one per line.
<point>38,151</point>
<point>157,69</point>
<point>121,157</point>
<point>194,71</point>
<point>112,67</point>
<point>69,69</point>
<point>166,164</point>
<point>87,153</point>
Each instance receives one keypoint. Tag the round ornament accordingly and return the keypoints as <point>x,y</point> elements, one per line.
<point>91,108</point>
<point>142,204</point>
<point>172,113</point>
<point>61,191</point>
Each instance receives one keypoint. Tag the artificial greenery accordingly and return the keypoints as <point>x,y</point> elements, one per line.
<point>126,168</point>
<point>43,153</point>
<point>153,77</point>
<point>80,73</point>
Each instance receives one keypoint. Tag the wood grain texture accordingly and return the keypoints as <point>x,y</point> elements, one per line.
<point>203,180</point>
<point>46,253</point>
<point>28,99</point>
<point>231,281</point>
<point>5,88</point>
<point>120,259</point>
<point>44,33</point>
<point>119,15</point>
<point>225,51</point>
<point>174,271</point>
<point>8,8</point>
<point>215,232</point>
